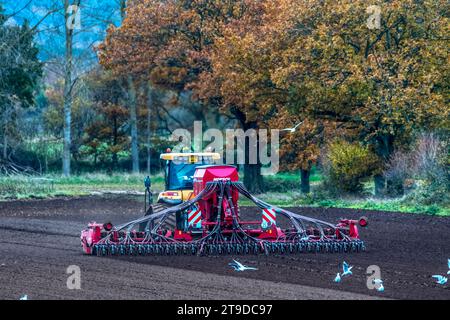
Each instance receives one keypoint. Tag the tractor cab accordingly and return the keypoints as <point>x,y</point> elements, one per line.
<point>179,174</point>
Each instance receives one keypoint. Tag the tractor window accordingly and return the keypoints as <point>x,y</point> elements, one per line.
<point>181,175</point>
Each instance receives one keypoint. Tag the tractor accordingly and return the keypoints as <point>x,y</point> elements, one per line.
<point>178,177</point>
<point>199,214</point>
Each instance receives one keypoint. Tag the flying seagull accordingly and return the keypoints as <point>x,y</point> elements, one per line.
<point>292,130</point>
<point>347,269</point>
<point>24,297</point>
<point>440,279</point>
<point>237,266</point>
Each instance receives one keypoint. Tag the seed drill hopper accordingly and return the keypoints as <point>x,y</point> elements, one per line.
<point>210,223</point>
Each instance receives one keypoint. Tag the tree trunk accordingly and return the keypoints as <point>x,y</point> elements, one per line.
<point>67,89</point>
<point>133,125</point>
<point>123,7</point>
<point>253,179</point>
<point>46,162</point>
<point>380,184</point>
<point>384,148</point>
<point>115,160</point>
<point>5,144</point>
<point>304,181</point>
<point>149,129</point>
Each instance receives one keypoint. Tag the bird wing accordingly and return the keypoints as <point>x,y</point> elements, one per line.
<point>250,268</point>
<point>345,267</point>
<point>438,277</point>
<point>377,281</point>
<point>240,265</point>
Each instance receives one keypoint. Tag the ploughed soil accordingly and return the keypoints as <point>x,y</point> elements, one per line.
<point>39,240</point>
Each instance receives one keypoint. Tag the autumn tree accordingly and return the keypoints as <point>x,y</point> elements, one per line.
<point>327,64</point>
<point>83,113</point>
<point>382,80</point>
<point>123,53</point>
<point>243,62</point>
<point>349,68</point>
<point>108,128</point>
<point>168,43</point>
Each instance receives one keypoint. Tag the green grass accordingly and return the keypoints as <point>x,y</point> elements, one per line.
<point>281,191</point>
<point>394,205</point>
<point>106,183</point>
<point>296,199</point>
<point>287,181</point>
<point>23,187</point>
<point>295,177</point>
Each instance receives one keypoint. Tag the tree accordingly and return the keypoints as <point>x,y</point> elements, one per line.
<point>130,82</point>
<point>166,43</point>
<point>68,82</point>
<point>83,113</point>
<point>132,98</point>
<point>66,48</point>
<point>20,71</point>
<point>107,128</point>
<point>149,96</point>
<point>243,62</point>
<point>382,83</point>
<point>49,19</point>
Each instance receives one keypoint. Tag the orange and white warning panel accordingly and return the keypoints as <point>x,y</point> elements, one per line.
<point>269,218</point>
<point>195,218</point>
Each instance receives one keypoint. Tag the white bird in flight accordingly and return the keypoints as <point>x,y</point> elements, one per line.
<point>440,279</point>
<point>292,130</point>
<point>237,266</point>
<point>25,297</point>
<point>347,269</point>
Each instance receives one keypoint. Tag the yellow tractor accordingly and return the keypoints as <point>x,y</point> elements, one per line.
<point>178,176</point>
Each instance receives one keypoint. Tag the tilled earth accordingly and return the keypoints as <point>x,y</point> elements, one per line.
<point>39,240</point>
